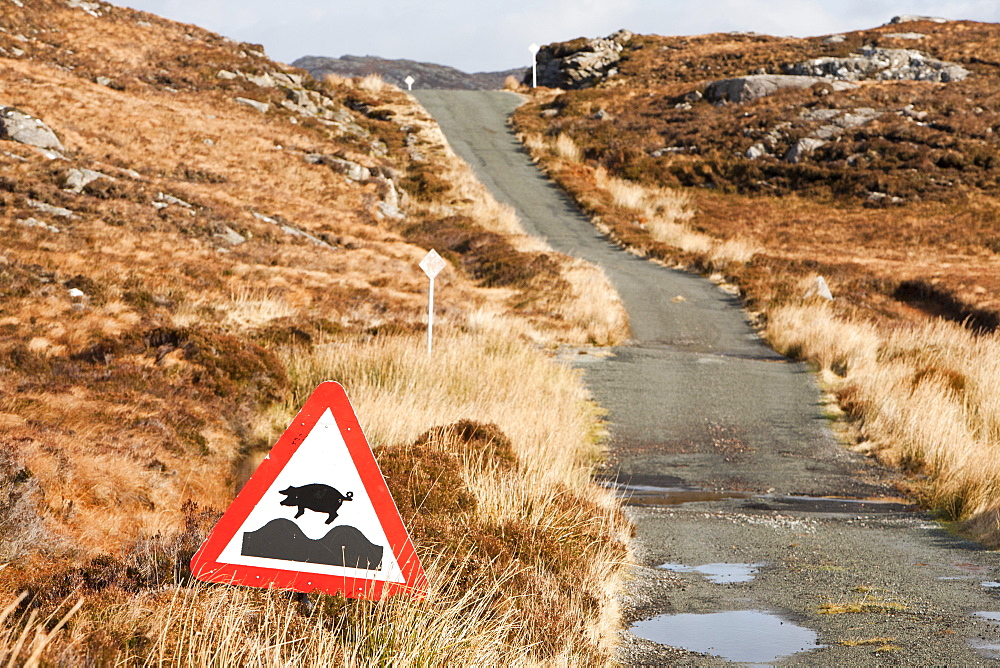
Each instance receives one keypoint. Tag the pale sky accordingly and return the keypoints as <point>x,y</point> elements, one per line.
<point>485,35</point>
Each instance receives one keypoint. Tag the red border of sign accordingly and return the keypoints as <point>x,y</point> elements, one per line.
<point>206,567</point>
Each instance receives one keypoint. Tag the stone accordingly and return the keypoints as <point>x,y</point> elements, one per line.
<point>170,199</point>
<point>387,210</point>
<point>756,151</point>
<point>819,288</point>
<point>909,18</point>
<point>34,222</point>
<point>50,209</point>
<point>103,81</point>
<point>802,148</point>
<point>905,35</point>
<point>292,230</point>
<point>263,80</point>
<point>262,107</point>
<point>229,235</point>
<point>835,39</point>
<point>92,8</point>
<point>226,74</point>
<point>351,170</point>
<point>26,129</point>
<point>755,86</point>
<point>879,64</point>
<point>77,179</point>
<point>603,115</point>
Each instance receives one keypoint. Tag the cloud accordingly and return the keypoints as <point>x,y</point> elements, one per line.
<point>477,36</point>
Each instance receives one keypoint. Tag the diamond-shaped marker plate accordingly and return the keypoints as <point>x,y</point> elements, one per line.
<point>432,264</point>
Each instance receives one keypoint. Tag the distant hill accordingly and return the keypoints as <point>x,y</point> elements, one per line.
<point>427,75</point>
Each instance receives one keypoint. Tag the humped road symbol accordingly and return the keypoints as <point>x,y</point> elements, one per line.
<point>283,539</point>
<point>320,498</point>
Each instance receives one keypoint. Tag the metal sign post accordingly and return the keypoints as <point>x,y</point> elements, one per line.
<point>534,64</point>
<point>432,264</point>
<point>409,81</point>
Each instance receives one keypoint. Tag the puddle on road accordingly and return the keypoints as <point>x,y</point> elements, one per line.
<point>647,495</point>
<point>988,616</point>
<point>747,636</point>
<point>986,649</point>
<point>718,573</point>
<point>991,585</point>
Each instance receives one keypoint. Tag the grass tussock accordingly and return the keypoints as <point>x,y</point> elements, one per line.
<point>923,396</point>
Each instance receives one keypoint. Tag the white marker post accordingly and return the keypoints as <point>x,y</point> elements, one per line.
<point>534,48</point>
<point>432,264</point>
<point>409,81</point>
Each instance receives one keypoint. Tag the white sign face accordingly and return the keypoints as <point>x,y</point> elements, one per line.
<point>409,81</point>
<point>432,264</point>
<point>534,48</point>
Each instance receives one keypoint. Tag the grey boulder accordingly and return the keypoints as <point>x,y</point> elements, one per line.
<point>755,86</point>
<point>26,129</point>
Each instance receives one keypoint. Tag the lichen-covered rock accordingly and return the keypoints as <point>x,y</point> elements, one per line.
<point>802,148</point>
<point>745,89</point>
<point>878,64</point>
<point>907,18</point>
<point>579,64</point>
<point>26,129</point>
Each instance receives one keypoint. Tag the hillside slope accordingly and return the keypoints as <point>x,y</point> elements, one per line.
<point>191,238</point>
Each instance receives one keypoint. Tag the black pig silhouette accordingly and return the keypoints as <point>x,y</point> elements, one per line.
<point>321,498</point>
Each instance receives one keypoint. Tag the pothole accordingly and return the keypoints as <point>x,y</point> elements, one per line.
<point>747,636</point>
<point>720,573</point>
<point>648,495</point>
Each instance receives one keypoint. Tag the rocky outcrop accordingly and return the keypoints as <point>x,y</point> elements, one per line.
<point>299,99</point>
<point>745,89</point>
<point>26,129</point>
<point>580,63</point>
<point>826,125</point>
<point>425,75</point>
<point>878,64</point>
<point>907,18</point>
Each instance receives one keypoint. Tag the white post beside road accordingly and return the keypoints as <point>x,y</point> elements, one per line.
<point>409,81</point>
<point>534,64</point>
<point>432,264</point>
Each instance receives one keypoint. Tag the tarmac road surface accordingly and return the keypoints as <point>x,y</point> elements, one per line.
<point>744,502</point>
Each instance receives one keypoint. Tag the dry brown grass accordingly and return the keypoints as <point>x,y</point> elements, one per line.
<point>924,396</point>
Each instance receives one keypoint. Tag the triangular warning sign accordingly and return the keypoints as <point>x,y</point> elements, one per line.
<point>316,514</point>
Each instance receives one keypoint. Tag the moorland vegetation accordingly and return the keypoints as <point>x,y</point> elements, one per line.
<point>212,236</point>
